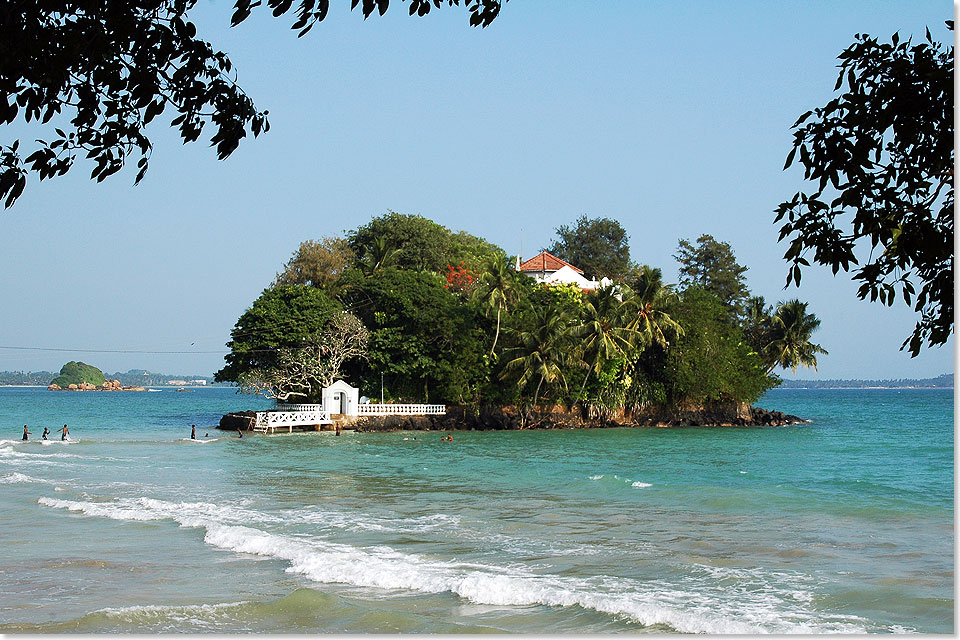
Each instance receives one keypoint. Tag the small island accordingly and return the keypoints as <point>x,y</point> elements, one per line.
<point>80,376</point>
<point>579,335</point>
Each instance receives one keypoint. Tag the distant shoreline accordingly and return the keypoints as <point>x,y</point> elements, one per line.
<point>160,387</point>
<point>855,388</point>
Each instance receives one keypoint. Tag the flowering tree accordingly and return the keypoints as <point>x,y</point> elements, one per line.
<point>460,279</point>
<point>303,371</point>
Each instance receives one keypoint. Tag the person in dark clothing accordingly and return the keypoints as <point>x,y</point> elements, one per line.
<point>45,433</point>
<point>193,432</point>
<point>25,433</point>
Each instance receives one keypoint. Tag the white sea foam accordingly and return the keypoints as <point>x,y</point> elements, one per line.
<point>362,522</point>
<point>19,478</point>
<point>449,525</point>
<point>12,456</point>
<point>632,483</point>
<point>58,442</point>
<point>744,602</point>
<point>10,452</point>
<point>172,619</point>
<point>188,514</point>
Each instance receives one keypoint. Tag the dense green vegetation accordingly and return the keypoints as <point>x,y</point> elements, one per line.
<point>78,372</point>
<point>598,246</point>
<point>26,378</point>
<point>442,316</point>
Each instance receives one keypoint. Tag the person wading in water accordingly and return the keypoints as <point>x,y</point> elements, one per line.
<point>25,433</point>
<point>65,432</point>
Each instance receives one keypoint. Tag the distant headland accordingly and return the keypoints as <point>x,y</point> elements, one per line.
<point>944,381</point>
<point>131,378</point>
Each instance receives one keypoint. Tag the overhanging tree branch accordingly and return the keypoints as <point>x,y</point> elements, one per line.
<point>880,157</point>
<point>105,70</point>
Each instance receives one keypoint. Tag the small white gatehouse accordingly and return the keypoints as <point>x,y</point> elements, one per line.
<point>341,398</point>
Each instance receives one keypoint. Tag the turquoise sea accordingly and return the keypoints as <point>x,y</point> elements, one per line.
<point>844,524</point>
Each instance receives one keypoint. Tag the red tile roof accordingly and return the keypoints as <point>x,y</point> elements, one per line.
<point>546,261</point>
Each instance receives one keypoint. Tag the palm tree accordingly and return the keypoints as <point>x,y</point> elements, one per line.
<point>649,298</point>
<point>498,287</point>
<point>380,255</point>
<point>789,344</point>
<point>757,323</point>
<point>540,352</point>
<point>605,330</point>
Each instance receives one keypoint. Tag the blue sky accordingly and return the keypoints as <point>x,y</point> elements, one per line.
<point>671,117</point>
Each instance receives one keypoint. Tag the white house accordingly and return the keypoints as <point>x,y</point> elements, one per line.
<point>547,268</point>
<point>340,397</point>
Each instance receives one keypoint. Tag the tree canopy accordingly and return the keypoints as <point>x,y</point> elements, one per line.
<point>95,74</point>
<point>711,361</point>
<point>78,372</point>
<point>283,317</point>
<point>317,264</point>
<point>880,159</point>
<point>599,246</point>
<point>712,266</point>
<point>426,343</point>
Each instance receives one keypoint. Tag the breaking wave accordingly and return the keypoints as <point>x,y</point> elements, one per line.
<point>19,478</point>
<point>745,602</point>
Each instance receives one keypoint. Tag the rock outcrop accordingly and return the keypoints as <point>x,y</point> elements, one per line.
<point>238,421</point>
<point>108,385</point>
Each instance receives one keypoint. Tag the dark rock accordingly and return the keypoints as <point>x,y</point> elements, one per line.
<point>242,420</point>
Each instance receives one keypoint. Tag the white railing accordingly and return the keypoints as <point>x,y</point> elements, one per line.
<point>272,420</point>
<point>299,407</point>
<point>401,409</point>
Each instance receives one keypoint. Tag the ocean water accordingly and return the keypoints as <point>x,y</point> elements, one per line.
<point>844,524</point>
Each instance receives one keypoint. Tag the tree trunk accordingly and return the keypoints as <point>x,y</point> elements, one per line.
<point>584,385</point>
<point>497,334</point>
<point>536,393</point>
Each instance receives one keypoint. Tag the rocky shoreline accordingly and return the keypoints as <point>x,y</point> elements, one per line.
<point>108,385</point>
<point>509,418</point>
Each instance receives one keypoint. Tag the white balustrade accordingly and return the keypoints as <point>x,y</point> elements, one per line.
<point>271,420</point>
<point>299,407</point>
<point>401,409</point>
<point>291,415</point>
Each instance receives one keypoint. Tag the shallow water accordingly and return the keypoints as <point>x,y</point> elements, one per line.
<point>844,524</point>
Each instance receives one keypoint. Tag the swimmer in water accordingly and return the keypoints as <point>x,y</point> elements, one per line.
<point>239,433</point>
<point>25,433</point>
<point>193,432</point>
<point>45,433</point>
<point>65,432</point>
